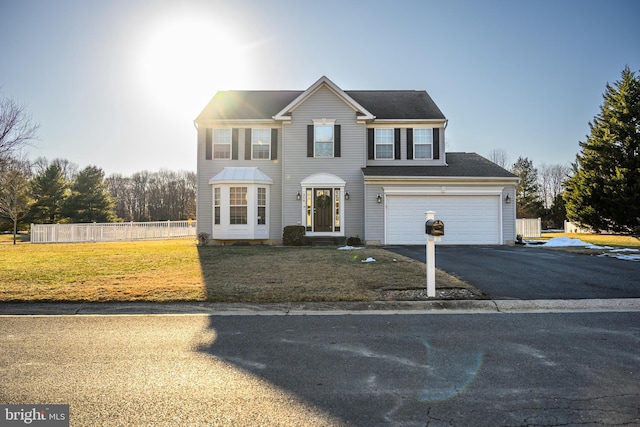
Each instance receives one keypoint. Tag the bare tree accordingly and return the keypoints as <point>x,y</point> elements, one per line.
<point>16,128</point>
<point>550,182</point>
<point>14,191</point>
<point>500,157</point>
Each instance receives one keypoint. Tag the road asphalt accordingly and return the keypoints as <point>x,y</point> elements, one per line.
<point>337,308</point>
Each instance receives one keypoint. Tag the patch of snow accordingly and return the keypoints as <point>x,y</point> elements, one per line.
<point>630,257</point>
<point>558,242</point>
<point>613,253</point>
<point>348,248</point>
<point>370,259</point>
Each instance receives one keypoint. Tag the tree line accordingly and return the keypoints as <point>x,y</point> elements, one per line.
<point>49,192</point>
<point>539,193</point>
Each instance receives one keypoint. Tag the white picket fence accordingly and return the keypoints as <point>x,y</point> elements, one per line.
<point>111,232</point>
<point>528,227</point>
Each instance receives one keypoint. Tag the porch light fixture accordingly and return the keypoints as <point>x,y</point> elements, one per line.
<point>379,198</point>
<point>298,196</point>
<point>346,196</point>
<point>507,199</point>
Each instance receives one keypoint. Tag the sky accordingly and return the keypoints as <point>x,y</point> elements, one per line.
<point>118,83</point>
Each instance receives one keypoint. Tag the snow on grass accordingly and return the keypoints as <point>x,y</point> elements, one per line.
<point>621,253</point>
<point>348,248</point>
<point>369,259</point>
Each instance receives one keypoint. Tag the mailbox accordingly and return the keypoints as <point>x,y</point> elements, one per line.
<point>434,227</point>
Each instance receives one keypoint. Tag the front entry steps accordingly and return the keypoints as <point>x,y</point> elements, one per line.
<point>325,241</point>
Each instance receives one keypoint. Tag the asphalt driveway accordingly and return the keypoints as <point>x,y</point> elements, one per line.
<point>526,272</point>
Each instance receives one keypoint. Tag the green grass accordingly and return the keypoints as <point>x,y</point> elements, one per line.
<point>178,270</point>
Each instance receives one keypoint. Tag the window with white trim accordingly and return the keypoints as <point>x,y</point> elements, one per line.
<point>238,205</point>
<point>323,140</point>
<point>384,143</point>
<point>216,205</point>
<point>260,144</point>
<point>262,205</point>
<point>221,143</point>
<point>422,143</point>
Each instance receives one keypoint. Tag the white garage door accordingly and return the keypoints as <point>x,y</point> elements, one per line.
<point>468,220</point>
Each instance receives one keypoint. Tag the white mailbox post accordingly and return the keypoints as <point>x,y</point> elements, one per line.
<point>431,256</point>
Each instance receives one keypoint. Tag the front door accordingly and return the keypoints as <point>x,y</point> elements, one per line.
<point>323,209</point>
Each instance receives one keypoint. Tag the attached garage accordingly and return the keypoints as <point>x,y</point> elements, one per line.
<point>474,197</point>
<point>468,219</point>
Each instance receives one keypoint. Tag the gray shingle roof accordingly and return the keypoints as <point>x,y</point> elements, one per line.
<point>458,165</point>
<point>386,104</point>
<point>397,104</point>
<point>247,104</point>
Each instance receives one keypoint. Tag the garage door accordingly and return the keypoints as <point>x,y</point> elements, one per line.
<point>468,220</point>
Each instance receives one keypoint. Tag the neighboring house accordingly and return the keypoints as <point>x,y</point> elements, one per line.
<point>365,164</point>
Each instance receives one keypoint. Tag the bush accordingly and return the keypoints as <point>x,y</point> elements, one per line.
<point>203,239</point>
<point>293,235</point>
<point>354,241</point>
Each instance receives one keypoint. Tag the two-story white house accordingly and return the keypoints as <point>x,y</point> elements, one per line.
<point>365,164</point>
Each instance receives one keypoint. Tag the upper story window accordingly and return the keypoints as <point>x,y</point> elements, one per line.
<point>222,143</point>
<point>384,143</point>
<point>422,143</point>
<point>261,144</point>
<point>324,140</point>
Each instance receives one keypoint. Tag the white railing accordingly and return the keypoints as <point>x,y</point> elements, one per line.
<point>528,227</point>
<point>111,232</point>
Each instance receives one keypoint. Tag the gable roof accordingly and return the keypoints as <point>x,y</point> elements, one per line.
<point>372,104</point>
<point>459,165</point>
<point>285,113</point>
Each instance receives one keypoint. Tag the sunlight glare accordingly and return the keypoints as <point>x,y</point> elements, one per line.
<point>183,61</point>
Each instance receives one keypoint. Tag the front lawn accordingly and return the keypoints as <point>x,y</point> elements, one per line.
<point>178,270</point>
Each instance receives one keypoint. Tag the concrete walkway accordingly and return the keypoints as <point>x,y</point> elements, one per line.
<point>338,308</point>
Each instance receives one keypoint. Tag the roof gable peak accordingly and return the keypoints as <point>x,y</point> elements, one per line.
<point>324,81</point>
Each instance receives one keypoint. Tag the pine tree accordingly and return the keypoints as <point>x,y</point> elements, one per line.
<point>528,203</point>
<point>604,190</point>
<point>90,199</point>
<point>49,190</point>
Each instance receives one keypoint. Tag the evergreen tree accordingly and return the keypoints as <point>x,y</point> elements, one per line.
<point>528,203</point>
<point>49,190</point>
<point>90,199</point>
<point>604,190</point>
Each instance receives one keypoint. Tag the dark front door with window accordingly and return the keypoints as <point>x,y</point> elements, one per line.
<point>323,208</point>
